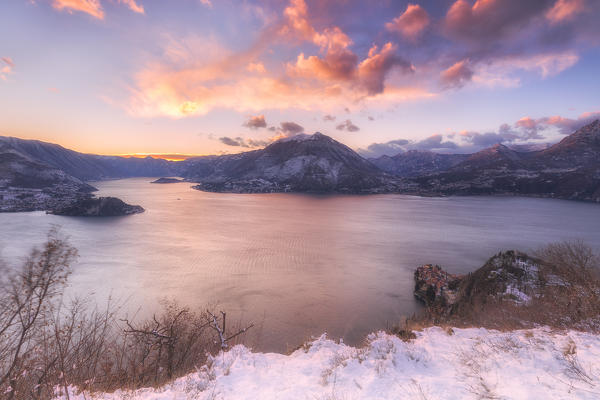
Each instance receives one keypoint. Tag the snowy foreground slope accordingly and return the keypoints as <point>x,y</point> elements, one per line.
<point>438,364</point>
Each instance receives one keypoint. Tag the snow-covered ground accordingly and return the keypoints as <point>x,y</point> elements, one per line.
<point>438,364</point>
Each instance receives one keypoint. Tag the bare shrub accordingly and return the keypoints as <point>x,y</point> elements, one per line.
<point>25,309</point>
<point>47,343</point>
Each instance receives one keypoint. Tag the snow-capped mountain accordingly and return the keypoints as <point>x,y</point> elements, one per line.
<point>303,163</point>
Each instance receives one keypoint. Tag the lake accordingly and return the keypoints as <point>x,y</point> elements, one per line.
<point>296,265</point>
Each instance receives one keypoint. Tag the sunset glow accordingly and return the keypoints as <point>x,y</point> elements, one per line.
<point>189,77</point>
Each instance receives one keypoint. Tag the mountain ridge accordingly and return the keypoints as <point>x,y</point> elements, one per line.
<point>569,169</point>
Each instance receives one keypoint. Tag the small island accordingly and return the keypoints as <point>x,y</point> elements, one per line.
<point>167,180</point>
<point>97,207</point>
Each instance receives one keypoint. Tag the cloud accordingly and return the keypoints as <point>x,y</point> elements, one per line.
<point>329,117</point>
<point>565,126</point>
<point>255,122</point>
<point>252,143</point>
<point>230,141</point>
<point>309,61</point>
<point>6,67</point>
<point>525,134</point>
<point>491,19</point>
<point>246,143</point>
<point>256,67</point>
<point>411,23</point>
<point>91,7</point>
<point>373,70</point>
<point>390,148</point>
<point>504,71</point>
<point>564,10</point>
<point>291,128</point>
<point>195,76</point>
<point>457,75</point>
<point>133,6</point>
<point>432,143</point>
<point>347,125</point>
<point>338,62</point>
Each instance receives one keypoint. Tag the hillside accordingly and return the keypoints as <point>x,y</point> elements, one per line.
<point>569,169</point>
<point>88,166</point>
<point>26,184</point>
<point>417,163</point>
<point>303,163</point>
<point>438,364</point>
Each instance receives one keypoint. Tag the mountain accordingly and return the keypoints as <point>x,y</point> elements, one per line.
<point>38,175</point>
<point>26,184</point>
<point>417,163</point>
<point>35,175</point>
<point>578,150</point>
<point>569,169</point>
<point>302,163</point>
<point>89,166</point>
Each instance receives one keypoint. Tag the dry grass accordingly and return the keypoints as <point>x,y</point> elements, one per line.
<point>47,343</point>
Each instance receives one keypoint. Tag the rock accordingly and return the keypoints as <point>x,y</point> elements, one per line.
<point>436,287</point>
<point>512,290</point>
<point>167,180</point>
<point>98,207</point>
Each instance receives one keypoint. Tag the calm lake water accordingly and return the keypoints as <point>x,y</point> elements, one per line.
<point>297,265</point>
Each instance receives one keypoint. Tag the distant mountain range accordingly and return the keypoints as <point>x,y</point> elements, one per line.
<point>38,175</point>
<point>569,169</point>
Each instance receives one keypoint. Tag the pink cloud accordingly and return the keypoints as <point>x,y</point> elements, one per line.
<point>564,125</point>
<point>491,19</point>
<point>197,76</point>
<point>456,75</point>
<point>411,23</point>
<point>133,6</point>
<point>564,10</point>
<point>373,70</point>
<point>91,7</point>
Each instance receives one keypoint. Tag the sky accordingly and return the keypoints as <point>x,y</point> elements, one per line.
<point>223,76</point>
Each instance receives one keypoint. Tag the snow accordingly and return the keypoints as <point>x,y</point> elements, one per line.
<point>439,364</point>
<point>301,137</point>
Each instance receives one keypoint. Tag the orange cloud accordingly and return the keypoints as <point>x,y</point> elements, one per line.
<point>91,7</point>
<point>564,10</point>
<point>257,67</point>
<point>411,23</point>
<point>190,82</point>
<point>338,63</point>
<point>133,6</point>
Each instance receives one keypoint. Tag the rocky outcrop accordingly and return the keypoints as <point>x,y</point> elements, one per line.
<point>98,207</point>
<point>167,180</point>
<point>513,290</point>
<point>436,287</point>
